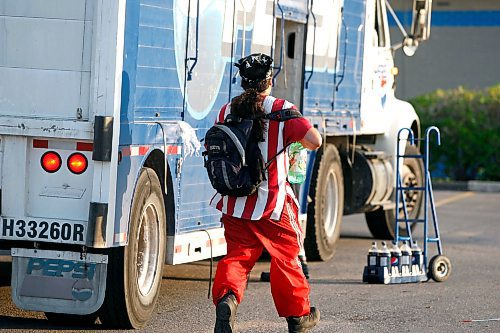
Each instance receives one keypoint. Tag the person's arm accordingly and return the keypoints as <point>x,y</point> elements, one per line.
<point>312,140</point>
<point>301,130</point>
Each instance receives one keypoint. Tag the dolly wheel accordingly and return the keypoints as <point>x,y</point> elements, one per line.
<point>439,268</point>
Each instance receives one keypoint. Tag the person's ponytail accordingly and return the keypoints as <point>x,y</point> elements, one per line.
<point>249,105</point>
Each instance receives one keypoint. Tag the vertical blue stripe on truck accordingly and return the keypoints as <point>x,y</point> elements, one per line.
<point>127,169</point>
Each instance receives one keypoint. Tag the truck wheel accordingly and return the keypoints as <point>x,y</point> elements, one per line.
<point>71,319</point>
<point>135,271</point>
<point>324,213</point>
<point>382,222</point>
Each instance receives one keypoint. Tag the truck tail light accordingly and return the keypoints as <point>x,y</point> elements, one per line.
<point>51,161</point>
<point>77,163</point>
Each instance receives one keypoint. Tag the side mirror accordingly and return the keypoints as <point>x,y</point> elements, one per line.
<point>421,22</point>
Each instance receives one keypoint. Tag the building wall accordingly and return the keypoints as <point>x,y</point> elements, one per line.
<point>463,48</point>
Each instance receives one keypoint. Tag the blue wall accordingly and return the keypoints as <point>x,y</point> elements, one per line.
<point>457,18</point>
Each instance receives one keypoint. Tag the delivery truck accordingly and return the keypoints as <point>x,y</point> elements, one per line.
<point>103,104</point>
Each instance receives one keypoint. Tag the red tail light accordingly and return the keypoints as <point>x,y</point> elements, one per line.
<point>77,163</point>
<point>51,161</point>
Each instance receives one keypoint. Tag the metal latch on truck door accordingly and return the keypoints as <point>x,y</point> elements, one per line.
<point>180,160</point>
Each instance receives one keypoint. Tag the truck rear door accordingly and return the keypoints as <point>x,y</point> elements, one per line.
<point>60,70</point>
<point>45,58</point>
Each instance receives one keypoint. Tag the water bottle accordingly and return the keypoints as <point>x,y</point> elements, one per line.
<point>395,261</point>
<point>298,163</point>
<point>405,259</point>
<point>373,255</point>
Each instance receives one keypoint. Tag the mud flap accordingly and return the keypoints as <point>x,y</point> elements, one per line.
<point>58,281</point>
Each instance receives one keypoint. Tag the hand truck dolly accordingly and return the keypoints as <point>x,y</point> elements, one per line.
<point>405,265</point>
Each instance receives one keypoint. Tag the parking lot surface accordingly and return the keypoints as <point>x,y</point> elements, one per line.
<point>470,227</point>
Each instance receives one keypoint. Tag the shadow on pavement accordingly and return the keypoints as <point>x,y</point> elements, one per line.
<point>8,322</point>
<point>330,281</point>
<point>5,271</point>
<point>185,279</point>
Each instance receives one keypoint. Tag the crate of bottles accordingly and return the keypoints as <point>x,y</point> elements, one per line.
<point>399,264</point>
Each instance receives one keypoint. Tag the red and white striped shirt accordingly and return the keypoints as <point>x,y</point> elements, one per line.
<point>269,200</point>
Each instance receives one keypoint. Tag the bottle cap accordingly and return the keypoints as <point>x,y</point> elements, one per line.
<point>415,247</point>
<point>405,248</point>
<point>395,249</point>
<point>384,249</point>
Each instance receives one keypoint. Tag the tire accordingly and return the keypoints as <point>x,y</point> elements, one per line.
<point>65,319</point>
<point>382,222</point>
<point>324,213</point>
<point>439,268</point>
<point>134,277</point>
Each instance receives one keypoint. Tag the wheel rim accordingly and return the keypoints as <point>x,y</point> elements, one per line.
<point>441,269</point>
<point>147,249</point>
<point>331,204</point>
<point>409,179</point>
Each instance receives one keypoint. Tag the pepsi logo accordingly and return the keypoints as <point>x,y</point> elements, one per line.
<point>82,290</point>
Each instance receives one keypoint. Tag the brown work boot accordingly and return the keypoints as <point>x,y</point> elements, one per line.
<point>226,314</point>
<point>304,323</point>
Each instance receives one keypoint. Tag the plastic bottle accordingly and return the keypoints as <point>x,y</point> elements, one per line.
<point>298,163</point>
<point>405,259</point>
<point>417,259</point>
<point>384,257</point>
<point>371,272</point>
<point>372,257</point>
<point>395,261</point>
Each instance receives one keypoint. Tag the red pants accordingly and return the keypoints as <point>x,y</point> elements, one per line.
<point>282,239</point>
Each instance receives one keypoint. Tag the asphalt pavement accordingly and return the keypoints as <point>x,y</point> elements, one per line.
<point>470,227</point>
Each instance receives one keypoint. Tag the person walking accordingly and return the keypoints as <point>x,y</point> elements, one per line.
<point>267,218</point>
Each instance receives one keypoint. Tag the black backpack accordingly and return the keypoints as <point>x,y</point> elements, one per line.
<point>233,158</point>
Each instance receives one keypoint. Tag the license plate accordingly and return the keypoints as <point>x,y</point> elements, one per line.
<point>43,230</point>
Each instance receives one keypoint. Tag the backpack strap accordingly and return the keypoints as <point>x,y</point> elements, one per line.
<point>274,157</point>
<point>235,140</point>
<point>283,115</point>
<point>280,115</point>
